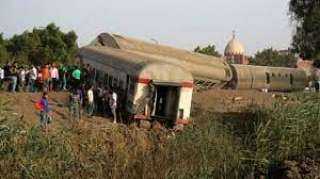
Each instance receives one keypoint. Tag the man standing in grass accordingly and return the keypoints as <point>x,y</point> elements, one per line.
<point>1,77</point>
<point>113,104</point>
<point>54,74</point>
<point>45,77</point>
<point>76,74</point>
<point>90,105</point>
<point>75,105</point>
<point>63,77</point>
<point>33,72</point>
<point>45,118</point>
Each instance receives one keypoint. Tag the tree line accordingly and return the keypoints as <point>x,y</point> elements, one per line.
<point>39,46</point>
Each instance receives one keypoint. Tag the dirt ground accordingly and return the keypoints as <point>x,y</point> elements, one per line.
<point>22,104</point>
<point>224,101</point>
<point>212,100</point>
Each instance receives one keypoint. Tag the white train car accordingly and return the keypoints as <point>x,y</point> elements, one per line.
<point>207,70</point>
<point>134,75</point>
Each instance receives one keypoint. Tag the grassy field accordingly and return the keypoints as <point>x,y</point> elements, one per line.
<point>255,142</point>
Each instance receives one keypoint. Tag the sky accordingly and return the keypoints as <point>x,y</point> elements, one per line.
<point>185,24</point>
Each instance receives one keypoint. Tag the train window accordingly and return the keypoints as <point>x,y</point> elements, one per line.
<point>273,75</point>
<point>268,78</point>
<point>227,72</point>
<point>286,75</point>
<point>279,74</point>
<point>115,82</point>
<point>99,75</point>
<point>131,85</point>
<point>121,84</point>
<point>291,79</point>
<point>106,79</point>
<point>180,114</point>
<point>110,80</point>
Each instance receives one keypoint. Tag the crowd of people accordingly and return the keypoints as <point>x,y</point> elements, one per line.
<point>49,77</point>
<point>86,94</point>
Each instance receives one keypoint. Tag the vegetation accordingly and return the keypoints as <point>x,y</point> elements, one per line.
<point>40,46</point>
<point>208,50</point>
<point>306,14</point>
<point>216,146</point>
<point>271,57</point>
<point>4,55</point>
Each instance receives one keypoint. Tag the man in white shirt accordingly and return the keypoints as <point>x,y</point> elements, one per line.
<point>113,105</point>
<point>1,76</point>
<point>33,73</point>
<point>90,106</point>
<point>22,79</point>
<point>54,74</point>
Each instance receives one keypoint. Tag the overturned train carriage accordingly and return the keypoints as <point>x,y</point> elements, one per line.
<point>270,78</point>
<point>207,71</point>
<point>145,83</point>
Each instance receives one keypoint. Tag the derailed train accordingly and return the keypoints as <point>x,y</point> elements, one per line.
<point>212,72</point>
<point>133,65</point>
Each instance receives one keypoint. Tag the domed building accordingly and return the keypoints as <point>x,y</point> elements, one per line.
<point>235,52</point>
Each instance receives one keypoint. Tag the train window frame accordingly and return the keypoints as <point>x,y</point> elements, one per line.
<point>132,85</point>
<point>268,78</point>
<point>291,79</point>
<point>110,80</point>
<point>181,113</point>
<point>121,84</point>
<point>115,82</point>
<point>227,71</point>
<point>106,78</point>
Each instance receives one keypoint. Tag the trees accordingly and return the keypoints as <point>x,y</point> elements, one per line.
<point>42,46</point>
<point>271,57</point>
<point>209,50</point>
<point>4,55</point>
<point>306,41</point>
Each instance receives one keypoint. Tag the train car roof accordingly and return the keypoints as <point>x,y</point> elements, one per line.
<point>134,63</point>
<point>133,44</point>
<point>201,66</point>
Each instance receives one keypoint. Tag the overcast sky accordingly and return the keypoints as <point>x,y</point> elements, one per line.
<point>183,23</point>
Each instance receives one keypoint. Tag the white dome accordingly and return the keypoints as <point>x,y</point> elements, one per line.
<point>234,47</point>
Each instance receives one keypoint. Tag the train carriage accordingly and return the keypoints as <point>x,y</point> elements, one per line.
<point>250,77</point>
<point>270,78</point>
<point>134,75</point>
<point>207,70</point>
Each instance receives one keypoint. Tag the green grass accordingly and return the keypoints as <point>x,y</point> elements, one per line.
<point>216,146</point>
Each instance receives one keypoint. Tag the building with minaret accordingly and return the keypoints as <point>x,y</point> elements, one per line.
<point>234,52</point>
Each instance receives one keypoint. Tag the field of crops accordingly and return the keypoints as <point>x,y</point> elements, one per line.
<point>279,141</point>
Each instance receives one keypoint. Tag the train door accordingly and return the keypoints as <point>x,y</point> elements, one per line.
<point>166,101</point>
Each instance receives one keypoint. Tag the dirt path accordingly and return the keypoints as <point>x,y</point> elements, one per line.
<point>221,101</point>
<point>22,104</point>
<point>224,101</point>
